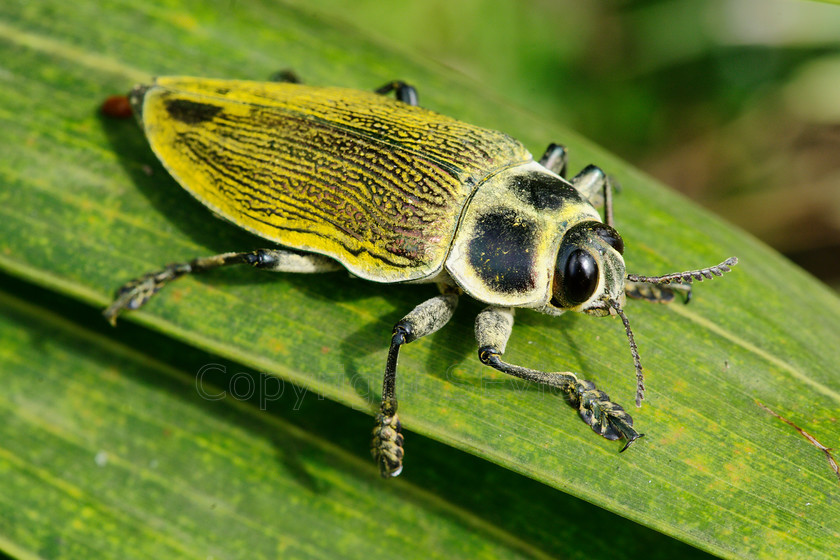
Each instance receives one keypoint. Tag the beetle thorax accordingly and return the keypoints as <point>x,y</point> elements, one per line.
<point>505,249</point>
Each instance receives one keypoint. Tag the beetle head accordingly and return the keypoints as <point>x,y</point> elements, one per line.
<point>589,271</point>
<point>589,277</point>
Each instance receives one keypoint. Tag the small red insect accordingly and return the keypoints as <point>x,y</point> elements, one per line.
<point>117,106</point>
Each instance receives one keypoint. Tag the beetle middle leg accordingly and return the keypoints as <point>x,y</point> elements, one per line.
<point>423,320</point>
<point>286,76</point>
<point>591,182</point>
<point>403,92</point>
<point>597,188</point>
<point>136,293</point>
<point>554,159</point>
<point>492,331</point>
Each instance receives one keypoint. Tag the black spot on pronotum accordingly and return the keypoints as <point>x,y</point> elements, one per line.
<point>500,252</point>
<point>191,112</point>
<point>543,191</point>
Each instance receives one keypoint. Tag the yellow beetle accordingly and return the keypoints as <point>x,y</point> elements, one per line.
<point>393,192</point>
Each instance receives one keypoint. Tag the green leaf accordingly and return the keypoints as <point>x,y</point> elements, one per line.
<point>108,452</point>
<point>108,449</point>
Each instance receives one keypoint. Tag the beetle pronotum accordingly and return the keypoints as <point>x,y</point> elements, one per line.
<point>393,192</point>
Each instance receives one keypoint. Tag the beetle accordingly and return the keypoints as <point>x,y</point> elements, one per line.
<point>392,192</point>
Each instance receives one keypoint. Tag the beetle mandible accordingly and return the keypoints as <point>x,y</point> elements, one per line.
<point>393,192</point>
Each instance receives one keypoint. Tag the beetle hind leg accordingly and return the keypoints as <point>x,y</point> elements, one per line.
<point>387,444</point>
<point>608,419</point>
<point>136,293</point>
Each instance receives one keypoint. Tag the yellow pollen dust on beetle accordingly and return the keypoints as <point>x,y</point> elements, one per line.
<point>392,192</point>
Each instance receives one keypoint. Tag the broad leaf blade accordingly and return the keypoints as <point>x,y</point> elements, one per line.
<point>86,207</point>
<point>111,453</point>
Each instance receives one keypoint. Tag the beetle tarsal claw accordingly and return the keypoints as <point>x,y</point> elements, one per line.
<point>387,444</point>
<point>134,294</point>
<point>606,418</point>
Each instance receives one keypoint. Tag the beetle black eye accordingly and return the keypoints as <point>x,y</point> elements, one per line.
<point>610,236</point>
<point>580,277</point>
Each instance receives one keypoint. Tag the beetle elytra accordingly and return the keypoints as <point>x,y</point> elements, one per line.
<point>393,192</point>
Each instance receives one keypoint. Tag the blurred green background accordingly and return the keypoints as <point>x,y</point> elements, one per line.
<point>736,103</point>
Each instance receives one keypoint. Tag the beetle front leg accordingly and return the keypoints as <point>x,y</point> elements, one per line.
<point>136,293</point>
<point>492,331</point>
<point>423,320</point>
<point>656,293</point>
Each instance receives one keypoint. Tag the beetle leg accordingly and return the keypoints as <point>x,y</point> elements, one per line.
<point>424,319</point>
<point>403,92</point>
<point>492,330</point>
<point>596,187</point>
<point>137,292</point>
<point>554,159</point>
<point>286,76</point>
<point>656,293</point>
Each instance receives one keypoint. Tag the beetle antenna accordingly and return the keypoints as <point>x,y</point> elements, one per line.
<point>688,276</point>
<point>640,376</point>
